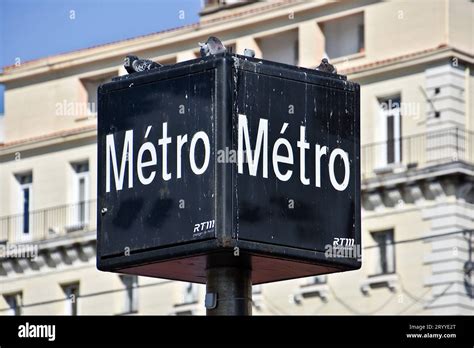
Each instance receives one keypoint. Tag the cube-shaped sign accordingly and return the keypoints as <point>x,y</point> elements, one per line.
<point>229,159</point>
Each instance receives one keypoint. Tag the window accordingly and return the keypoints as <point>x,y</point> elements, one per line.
<point>14,303</point>
<point>71,291</point>
<point>384,252</point>
<point>391,129</point>
<point>281,47</point>
<point>25,182</point>
<point>187,303</point>
<point>90,86</point>
<point>131,293</point>
<point>344,36</point>
<point>190,293</point>
<point>80,195</point>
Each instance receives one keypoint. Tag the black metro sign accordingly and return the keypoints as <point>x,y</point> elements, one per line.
<point>229,158</point>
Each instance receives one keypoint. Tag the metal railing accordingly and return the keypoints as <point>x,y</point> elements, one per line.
<point>48,223</point>
<point>417,151</point>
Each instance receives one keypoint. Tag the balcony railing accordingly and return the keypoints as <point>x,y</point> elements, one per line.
<point>48,223</point>
<point>417,151</point>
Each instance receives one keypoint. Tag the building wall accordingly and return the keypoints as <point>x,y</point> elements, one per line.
<point>460,24</point>
<point>52,174</point>
<point>59,98</point>
<point>400,27</point>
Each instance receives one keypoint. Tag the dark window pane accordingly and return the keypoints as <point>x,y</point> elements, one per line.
<point>390,140</point>
<point>384,240</point>
<point>82,194</point>
<point>26,210</point>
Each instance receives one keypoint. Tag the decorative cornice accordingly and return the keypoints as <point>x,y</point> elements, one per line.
<point>47,139</point>
<point>435,188</point>
<point>51,256</point>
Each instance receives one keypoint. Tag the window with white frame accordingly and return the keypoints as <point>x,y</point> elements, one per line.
<point>91,85</point>
<point>14,302</point>
<point>391,128</point>
<point>131,293</point>
<point>384,252</point>
<point>344,36</point>
<point>71,292</point>
<point>80,191</point>
<point>24,199</point>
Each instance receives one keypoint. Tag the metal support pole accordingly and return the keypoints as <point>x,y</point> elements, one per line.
<point>228,291</point>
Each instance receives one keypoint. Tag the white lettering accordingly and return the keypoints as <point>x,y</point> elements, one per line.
<point>303,145</point>
<point>207,152</point>
<point>332,176</point>
<point>276,158</point>
<point>140,165</point>
<point>262,141</point>
<point>319,152</point>
<point>254,153</point>
<point>179,145</point>
<point>127,159</point>
<point>164,141</point>
<point>37,331</point>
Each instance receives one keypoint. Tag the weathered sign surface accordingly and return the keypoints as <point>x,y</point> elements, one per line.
<point>229,159</point>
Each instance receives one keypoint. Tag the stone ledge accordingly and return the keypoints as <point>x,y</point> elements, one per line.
<point>389,281</point>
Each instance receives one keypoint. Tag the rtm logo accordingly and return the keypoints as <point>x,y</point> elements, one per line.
<point>343,242</point>
<point>204,227</point>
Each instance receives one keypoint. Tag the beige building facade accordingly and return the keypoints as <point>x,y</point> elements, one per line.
<point>414,61</point>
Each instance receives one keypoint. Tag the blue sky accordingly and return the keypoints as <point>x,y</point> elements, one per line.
<point>31,29</point>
